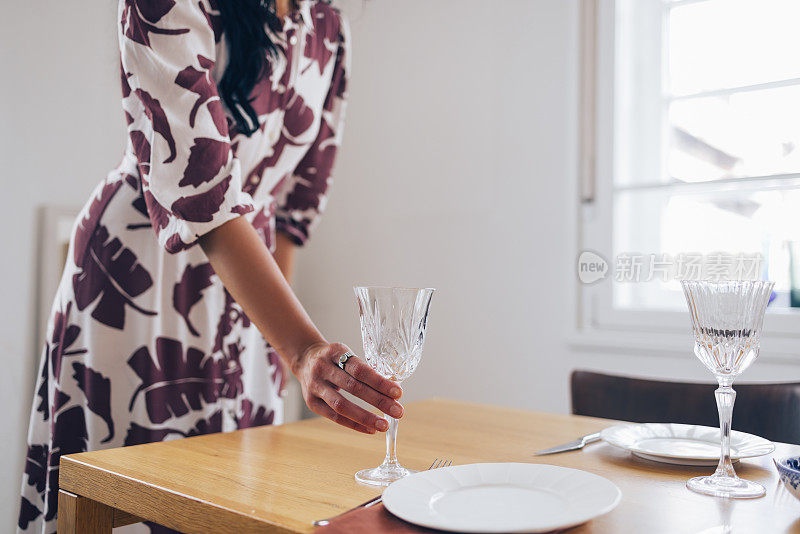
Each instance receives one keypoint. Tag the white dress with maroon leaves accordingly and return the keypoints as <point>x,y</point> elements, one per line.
<point>144,343</point>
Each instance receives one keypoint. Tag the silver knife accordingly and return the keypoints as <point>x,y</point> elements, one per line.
<point>371,502</point>
<point>572,445</point>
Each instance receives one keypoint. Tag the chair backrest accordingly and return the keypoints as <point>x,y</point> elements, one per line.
<point>768,410</point>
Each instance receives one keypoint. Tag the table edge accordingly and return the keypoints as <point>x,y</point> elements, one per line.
<point>112,488</point>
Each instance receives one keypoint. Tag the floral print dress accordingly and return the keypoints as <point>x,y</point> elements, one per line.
<point>143,342</point>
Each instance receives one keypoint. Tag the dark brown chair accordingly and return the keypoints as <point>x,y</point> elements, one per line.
<point>768,410</point>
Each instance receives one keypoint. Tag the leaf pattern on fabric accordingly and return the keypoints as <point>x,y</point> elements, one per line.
<point>138,434</point>
<point>189,290</point>
<point>44,383</point>
<point>315,168</point>
<point>158,215</point>
<point>206,158</point>
<point>175,244</point>
<point>303,200</point>
<point>263,223</point>
<point>200,82</point>
<point>27,513</point>
<point>139,18</point>
<point>298,116</point>
<point>262,416</point>
<point>218,117</point>
<point>202,206</point>
<point>323,42</point>
<point>112,272</point>
<point>97,389</point>
<point>277,367</point>
<point>91,219</point>
<point>36,466</point>
<point>158,118</point>
<point>256,175</point>
<point>176,381</point>
<point>69,437</point>
<point>60,400</point>
<point>63,337</point>
<point>69,432</point>
<point>126,87</point>
<point>132,181</point>
<point>231,315</point>
<point>267,100</point>
<point>103,269</point>
<point>140,205</point>
<point>232,372</point>
<point>207,426</point>
<point>51,500</point>
<point>142,148</point>
<point>214,20</point>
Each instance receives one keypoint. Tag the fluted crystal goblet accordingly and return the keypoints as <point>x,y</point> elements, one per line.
<point>393,323</point>
<point>727,317</point>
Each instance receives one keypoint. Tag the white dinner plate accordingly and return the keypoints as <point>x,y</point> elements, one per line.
<point>508,497</point>
<point>683,444</point>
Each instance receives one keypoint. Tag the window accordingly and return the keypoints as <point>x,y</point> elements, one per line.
<point>697,146</point>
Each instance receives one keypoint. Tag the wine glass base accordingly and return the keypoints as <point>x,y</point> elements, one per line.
<point>383,475</point>
<point>731,487</point>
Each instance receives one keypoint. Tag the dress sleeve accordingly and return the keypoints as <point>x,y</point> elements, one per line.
<point>301,196</point>
<point>178,129</point>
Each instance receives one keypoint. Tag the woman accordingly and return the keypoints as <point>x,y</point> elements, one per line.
<point>234,112</point>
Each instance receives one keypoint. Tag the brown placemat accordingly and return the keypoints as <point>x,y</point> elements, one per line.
<point>373,520</point>
<point>376,520</point>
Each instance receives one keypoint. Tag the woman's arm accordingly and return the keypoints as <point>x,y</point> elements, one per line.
<point>284,255</point>
<point>251,275</point>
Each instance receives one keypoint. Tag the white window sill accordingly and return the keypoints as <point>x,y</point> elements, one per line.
<point>651,343</point>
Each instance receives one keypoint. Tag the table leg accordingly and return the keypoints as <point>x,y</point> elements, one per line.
<point>79,515</point>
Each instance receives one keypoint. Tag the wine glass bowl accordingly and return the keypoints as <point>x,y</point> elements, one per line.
<point>393,325</point>
<point>727,318</point>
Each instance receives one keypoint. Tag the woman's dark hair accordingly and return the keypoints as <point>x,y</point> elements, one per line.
<point>245,23</point>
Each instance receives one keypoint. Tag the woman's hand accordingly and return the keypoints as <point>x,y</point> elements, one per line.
<point>321,379</point>
<point>249,272</point>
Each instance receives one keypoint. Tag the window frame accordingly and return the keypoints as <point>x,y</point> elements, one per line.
<point>598,323</point>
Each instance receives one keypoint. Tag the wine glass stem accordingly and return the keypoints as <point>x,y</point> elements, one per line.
<point>391,442</point>
<point>725,398</point>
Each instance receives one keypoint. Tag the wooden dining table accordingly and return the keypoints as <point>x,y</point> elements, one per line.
<point>278,479</point>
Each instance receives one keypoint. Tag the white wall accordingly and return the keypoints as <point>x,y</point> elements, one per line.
<point>458,163</point>
<point>457,172</point>
<point>61,130</point>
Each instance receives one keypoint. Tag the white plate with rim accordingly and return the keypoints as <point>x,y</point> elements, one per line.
<point>503,497</point>
<point>683,444</point>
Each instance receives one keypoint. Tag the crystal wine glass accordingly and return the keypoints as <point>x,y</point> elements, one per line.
<point>727,317</point>
<point>393,321</point>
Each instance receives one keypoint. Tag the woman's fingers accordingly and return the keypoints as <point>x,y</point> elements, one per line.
<point>321,379</point>
<point>350,410</point>
<point>362,372</point>
<point>364,392</point>
<point>319,407</point>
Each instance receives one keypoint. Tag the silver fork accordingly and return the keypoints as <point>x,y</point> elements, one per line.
<point>436,464</point>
